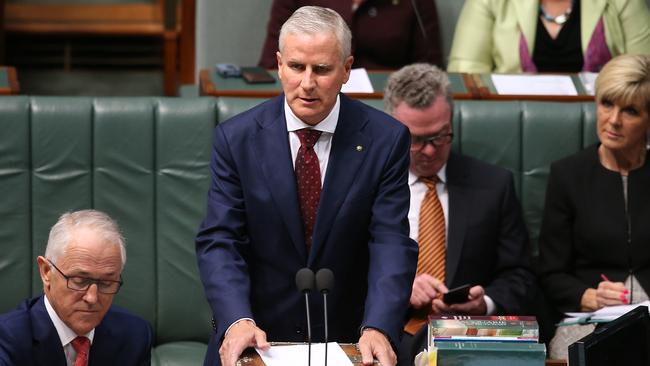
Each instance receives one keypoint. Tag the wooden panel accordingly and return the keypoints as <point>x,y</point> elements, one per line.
<point>8,81</point>
<point>252,358</point>
<point>119,19</point>
<point>187,22</point>
<point>463,86</point>
<point>17,12</point>
<point>2,31</point>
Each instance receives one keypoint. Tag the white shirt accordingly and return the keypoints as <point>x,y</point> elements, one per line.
<point>66,334</point>
<point>418,189</point>
<point>324,144</point>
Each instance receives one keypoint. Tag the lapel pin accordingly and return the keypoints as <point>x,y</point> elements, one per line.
<point>359,148</point>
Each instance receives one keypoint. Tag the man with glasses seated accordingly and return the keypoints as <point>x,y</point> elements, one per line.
<point>73,323</point>
<point>464,213</point>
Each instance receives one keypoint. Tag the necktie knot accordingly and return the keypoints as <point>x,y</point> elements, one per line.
<point>430,181</point>
<point>308,137</point>
<point>81,345</point>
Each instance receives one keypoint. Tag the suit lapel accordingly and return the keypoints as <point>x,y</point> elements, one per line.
<point>47,346</point>
<point>526,11</point>
<point>349,149</point>
<point>589,19</point>
<point>102,351</point>
<point>271,144</point>
<point>460,200</point>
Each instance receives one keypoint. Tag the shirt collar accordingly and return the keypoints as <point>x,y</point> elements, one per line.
<point>442,175</point>
<point>326,125</point>
<point>65,333</point>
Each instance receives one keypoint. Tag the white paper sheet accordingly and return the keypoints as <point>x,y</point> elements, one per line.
<point>296,355</point>
<point>608,313</point>
<point>359,82</point>
<point>534,84</point>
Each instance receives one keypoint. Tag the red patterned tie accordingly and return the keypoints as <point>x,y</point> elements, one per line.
<point>82,346</point>
<point>308,179</point>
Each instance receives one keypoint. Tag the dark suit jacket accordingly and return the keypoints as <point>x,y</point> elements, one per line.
<point>251,243</point>
<point>385,34</point>
<point>585,228</point>
<point>488,240</point>
<point>28,338</point>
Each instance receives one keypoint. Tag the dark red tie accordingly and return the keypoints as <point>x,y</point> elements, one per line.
<point>82,346</point>
<point>308,179</point>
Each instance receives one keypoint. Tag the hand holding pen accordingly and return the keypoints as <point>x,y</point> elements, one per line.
<point>611,293</point>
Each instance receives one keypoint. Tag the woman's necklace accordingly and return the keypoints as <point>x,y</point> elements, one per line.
<point>560,19</point>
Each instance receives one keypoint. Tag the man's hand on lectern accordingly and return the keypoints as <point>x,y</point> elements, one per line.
<point>374,343</point>
<point>240,336</point>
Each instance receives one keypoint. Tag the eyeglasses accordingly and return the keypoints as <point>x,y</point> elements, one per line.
<point>79,283</point>
<point>418,143</point>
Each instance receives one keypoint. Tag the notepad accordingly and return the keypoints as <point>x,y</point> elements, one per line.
<point>534,84</point>
<point>606,314</point>
<point>296,355</point>
<point>359,82</point>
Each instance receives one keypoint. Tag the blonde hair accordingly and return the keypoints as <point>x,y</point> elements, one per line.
<point>625,80</point>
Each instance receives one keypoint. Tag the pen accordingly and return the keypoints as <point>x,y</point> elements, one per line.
<point>604,278</point>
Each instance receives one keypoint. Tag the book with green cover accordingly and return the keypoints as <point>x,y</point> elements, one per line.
<point>490,354</point>
<point>483,328</point>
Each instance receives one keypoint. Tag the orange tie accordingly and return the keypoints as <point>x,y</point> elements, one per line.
<point>432,233</point>
<point>82,346</point>
<point>432,243</point>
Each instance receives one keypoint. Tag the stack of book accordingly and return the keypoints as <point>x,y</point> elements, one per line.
<point>486,340</point>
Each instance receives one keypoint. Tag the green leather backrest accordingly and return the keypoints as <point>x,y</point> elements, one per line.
<point>524,137</point>
<point>144,161</point>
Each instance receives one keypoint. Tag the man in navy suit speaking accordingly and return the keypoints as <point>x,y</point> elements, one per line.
<point>313,179</point>
<point>73,323</point>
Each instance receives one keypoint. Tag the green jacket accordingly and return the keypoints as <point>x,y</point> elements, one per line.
<point>488,31</point>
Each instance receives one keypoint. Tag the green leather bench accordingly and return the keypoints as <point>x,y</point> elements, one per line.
<point>524,137</point>
<point>145,161</point>
<point>142,160</point>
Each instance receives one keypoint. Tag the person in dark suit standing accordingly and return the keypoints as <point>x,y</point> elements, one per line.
<point>311,179</point>
<point>464,213</point>
<point>74,323</point>
<point>409,31</point>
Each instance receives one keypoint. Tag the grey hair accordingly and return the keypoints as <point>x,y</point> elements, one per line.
<point>314,20</point>
<point>418,85</point>
<point>61,233</point>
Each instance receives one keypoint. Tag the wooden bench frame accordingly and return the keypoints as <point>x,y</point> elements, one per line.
<point>132,19</point>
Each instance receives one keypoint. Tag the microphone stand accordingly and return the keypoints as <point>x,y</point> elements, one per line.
<point>326,322</point>
<point>308,330</point>
<point>324,283</point>
<point>305,283</point>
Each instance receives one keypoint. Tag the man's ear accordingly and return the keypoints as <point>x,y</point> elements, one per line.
<point>45,270</point>
<point>347,65</point>
<point>278,56</point>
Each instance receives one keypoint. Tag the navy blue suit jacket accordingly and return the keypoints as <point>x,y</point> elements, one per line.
<point>251,243</point>
<point>28,338</point>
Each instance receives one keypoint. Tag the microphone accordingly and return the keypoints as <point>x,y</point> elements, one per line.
<point>324,284</point>
<point>305,283</point>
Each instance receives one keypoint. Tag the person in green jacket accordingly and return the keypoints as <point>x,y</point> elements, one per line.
<point>512,36</point>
